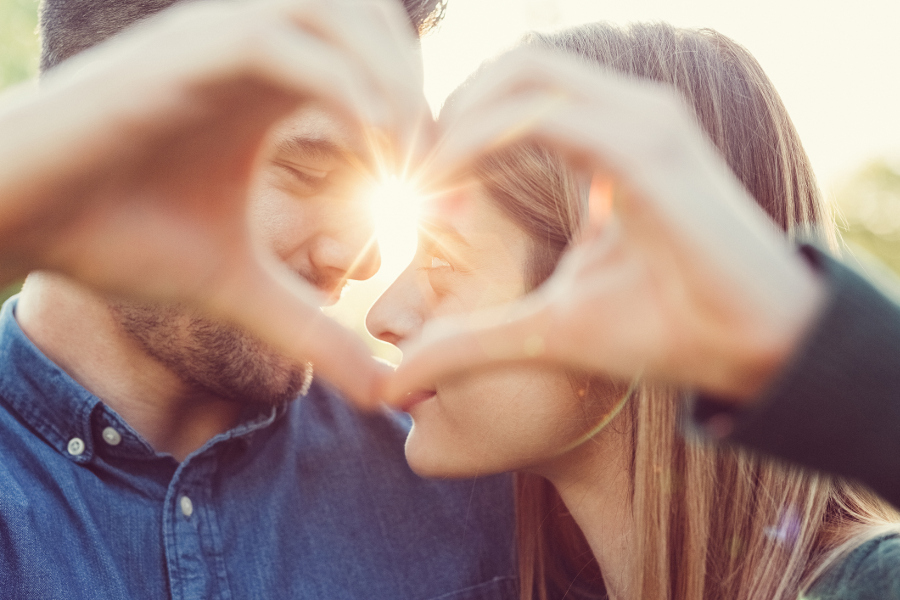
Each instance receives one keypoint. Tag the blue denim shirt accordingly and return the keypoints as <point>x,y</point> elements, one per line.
<point>313,500</point>
<point>870,572</point>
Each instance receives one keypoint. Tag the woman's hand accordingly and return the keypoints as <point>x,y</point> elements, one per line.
<point>129,169</point>
<point>679,277</point>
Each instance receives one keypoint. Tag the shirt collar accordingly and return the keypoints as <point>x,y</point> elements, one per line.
<point>66,415</point>
<point>42,394</point>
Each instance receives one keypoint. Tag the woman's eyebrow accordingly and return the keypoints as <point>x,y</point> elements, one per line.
<point>444,231</point>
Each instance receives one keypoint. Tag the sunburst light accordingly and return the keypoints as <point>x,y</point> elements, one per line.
<point>396,206</point>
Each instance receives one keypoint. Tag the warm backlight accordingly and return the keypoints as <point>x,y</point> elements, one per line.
<point>396,207</point>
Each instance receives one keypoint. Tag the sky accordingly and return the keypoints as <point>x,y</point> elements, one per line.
<point>835,64</point>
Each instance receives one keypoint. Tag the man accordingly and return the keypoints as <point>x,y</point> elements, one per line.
<point>152,452</point>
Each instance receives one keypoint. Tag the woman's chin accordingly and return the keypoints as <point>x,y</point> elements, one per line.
<point>427,460</point>
<point>426,463</point>
<point>449,461</point>
<point>429,469</point>
<point>451,444</point>
<point>429,452</point>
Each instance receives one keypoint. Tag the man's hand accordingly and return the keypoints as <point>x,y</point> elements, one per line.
<point>129,170</point>
<point>679,277</point>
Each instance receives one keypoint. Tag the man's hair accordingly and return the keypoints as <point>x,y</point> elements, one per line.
<point>70,26</point>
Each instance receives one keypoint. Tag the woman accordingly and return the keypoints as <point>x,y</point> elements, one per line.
<point>612,501</point>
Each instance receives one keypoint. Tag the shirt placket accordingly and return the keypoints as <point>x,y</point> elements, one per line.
<point>192,536</point>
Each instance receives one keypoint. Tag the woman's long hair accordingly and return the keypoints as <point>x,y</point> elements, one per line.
<point>710,522</point>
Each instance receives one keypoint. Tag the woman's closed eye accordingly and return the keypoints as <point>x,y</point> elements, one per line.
<point>435,259</point>
<point>439,263</point>
<point>441,273</point>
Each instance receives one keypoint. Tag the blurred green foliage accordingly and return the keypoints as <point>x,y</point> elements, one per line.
<point>868,212</point>
<point>10,290</point>
<point>19,52</point>
<point>19,49</point>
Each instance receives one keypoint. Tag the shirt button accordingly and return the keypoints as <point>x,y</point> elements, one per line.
<point>111,436</point>
<point>187,507</point>
<point>76,446</point>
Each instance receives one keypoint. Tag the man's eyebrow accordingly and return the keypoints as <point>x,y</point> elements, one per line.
<point>312,148</point>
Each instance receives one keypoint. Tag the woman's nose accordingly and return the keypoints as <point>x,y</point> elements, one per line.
<point>399,313</point>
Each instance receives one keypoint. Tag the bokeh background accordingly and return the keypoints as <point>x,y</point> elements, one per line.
<point>836,65</point>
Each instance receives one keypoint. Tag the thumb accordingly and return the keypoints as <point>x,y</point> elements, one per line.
<point>283,310</point>
<point>510,334</point>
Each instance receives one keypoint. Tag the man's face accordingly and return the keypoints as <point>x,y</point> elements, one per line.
<point>308,207</point>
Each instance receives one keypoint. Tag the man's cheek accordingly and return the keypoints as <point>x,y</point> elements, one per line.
<point>277,220</point>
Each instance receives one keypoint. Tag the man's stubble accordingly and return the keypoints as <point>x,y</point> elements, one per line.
<point>213,357</point>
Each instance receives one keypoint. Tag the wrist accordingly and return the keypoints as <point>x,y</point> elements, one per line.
<point>765,345</point>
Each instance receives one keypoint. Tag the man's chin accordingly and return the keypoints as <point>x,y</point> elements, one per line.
<point>213,357</point>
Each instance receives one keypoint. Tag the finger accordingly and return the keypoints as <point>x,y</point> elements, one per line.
<point>552,80</point>
<point>511,334</point>
<point>377,36</point>
<point>642,132</point>
<point>283,310</point>
<point>489,129</point>
<point>416,147</point>
<point>418,130</point>
<point>254,44</point>
<point>615,143</point>
<point>308,67</point>
<point>516,72</point>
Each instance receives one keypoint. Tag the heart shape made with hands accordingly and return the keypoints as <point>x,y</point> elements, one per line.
<point>679,276</point>
<point>683,261</point>
<point>130,168</point>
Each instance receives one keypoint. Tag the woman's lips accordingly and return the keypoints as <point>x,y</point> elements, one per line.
<point>416,398</point>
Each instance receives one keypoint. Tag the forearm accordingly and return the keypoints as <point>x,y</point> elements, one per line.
<point>51,146</point>
<point>19,179</point>
<point>836,405</point>
<point>743,362</point>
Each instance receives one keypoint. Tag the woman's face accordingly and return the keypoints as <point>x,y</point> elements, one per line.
<point>471,256</point>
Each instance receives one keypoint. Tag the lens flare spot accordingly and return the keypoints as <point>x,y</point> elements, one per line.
<point>396,207</point>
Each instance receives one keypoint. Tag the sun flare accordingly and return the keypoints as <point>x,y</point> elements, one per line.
<point>396,207</point>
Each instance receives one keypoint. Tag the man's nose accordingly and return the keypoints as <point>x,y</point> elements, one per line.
<point>399,313</point>
<point>347,251</point>
<point>342,260</point>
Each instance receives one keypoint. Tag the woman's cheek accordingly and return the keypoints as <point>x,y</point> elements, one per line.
<point>462,293</point>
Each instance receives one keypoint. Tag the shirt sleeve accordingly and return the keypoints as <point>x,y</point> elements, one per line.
<point>870,572</point>
<point>836,406</point>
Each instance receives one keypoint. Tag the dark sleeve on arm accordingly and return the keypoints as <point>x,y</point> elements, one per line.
<point>836,406</point>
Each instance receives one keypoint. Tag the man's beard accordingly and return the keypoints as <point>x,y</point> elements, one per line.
<point>213,357</point>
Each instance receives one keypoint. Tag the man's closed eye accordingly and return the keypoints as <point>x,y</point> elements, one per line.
<point>303,180</point>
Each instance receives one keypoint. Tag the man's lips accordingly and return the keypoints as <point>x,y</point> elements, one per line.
<point>331,296</point>
<point>414,398</point>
